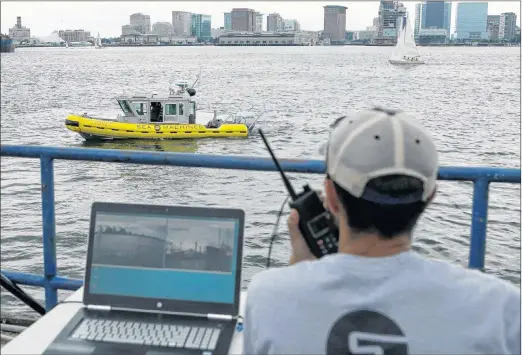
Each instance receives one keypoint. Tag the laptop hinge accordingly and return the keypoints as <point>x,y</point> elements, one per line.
<point>219,316</point>
<point>95,307</point>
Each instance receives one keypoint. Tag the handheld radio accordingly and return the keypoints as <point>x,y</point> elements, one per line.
<point>315,222</point>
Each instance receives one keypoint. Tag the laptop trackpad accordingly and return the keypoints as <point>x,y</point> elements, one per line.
<point>68,348</point>
<point>170,351</point>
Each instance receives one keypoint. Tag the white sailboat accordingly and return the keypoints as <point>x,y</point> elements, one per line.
<point>98,43</point>
<point>405,52</point>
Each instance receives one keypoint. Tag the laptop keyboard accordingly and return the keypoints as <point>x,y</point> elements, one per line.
<point>164,335</point>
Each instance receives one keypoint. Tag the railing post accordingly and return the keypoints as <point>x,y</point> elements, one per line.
<point>479,222</point>
<point>49,230</point>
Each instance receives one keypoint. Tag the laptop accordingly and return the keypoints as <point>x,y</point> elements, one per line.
<point>158,280</point>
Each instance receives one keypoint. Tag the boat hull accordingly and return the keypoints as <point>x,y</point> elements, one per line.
<point>404,62</point>
<point>6,45</point>
<point>100,129</point>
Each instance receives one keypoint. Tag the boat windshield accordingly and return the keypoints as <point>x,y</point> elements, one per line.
<point>140,108</point>
<point>124,106</point>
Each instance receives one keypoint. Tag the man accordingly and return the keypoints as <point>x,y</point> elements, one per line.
<point>376,295</point>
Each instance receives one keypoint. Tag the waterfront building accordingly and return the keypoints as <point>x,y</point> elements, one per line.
<point>259,22</point>
<point>127,30</point>
<point>493,27</point>
<point>418,12</point>
<point>334,27</point>
<point>163,29</point>
<point>182,23</point>
<point>366,36</point>
<point>201,27</point>
<point>243,20</point>
<point>472,21</point>
<point>140,22</point>
<point>19,33</point>
<point>390,13</point>
<point>291,26</point>
<point>432,36</point>
<point>436,15</point>
<point>268,39</point>
<point>274,22</point>
<point>154,39</point>
<point>217,32</point>
<point>507,26</point>
<point>228,21</point>
<point>75,35</point>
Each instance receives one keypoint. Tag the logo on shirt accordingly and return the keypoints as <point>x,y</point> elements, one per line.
<point>366,332</point>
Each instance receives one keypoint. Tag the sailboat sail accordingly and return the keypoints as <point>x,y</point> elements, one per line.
<point>406,47</point>
<point>98,41</point>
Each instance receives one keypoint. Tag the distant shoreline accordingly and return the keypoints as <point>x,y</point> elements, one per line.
<point>272,45</point>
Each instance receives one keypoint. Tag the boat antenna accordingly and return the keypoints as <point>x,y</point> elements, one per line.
<point>197,79</point>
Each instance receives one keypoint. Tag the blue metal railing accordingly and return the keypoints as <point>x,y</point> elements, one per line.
<point>481,177</point>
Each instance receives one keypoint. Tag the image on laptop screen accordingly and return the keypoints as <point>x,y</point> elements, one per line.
<point>165,257</point>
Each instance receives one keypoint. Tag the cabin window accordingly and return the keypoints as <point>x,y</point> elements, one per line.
<point>181,109</point>
<point>124,106</point>
<point>140,108</point>
<point>193,108</point>
<point>170,109</point>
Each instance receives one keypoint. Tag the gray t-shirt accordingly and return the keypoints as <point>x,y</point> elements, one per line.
<point>403,304</point>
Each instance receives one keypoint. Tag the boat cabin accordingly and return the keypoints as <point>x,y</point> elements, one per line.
<point>177,107</point>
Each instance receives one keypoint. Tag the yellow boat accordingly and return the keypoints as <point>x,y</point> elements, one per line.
<point>156,117</point>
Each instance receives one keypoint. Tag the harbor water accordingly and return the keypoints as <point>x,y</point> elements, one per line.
<point>468,97</point>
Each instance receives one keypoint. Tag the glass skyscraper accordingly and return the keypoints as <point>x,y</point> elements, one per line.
<point>228,21</point>
<point>436,14</point>
<point>201,27</point>
<point>472,20</point>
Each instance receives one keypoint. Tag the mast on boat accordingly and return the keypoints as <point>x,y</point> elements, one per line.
<point>405,51</point>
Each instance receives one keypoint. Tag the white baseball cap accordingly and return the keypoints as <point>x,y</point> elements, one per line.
<point>376,143</point>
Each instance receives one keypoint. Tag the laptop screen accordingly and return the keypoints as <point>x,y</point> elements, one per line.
<point>165,257</point>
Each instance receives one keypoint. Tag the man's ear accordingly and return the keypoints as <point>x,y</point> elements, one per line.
<point>332,199</point>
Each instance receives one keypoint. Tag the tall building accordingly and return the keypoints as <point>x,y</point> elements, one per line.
<point>140,22</point>
<point>274,22</point>
<point>472,21</point>
<point>493,27</point>
<point>19,33</point>
<point>182,23</point>
<point>127,30</point>
<point>436,15</point>
<point>259,22</point>
<point>201,27</point>
<point>163,29</point>
<point>390,13</point>
<point>243,20</point>
<point>334,22</point>
<point>418,12</point>
<point>507,26</point>
<point>227,24</point>
<point>447,18</point>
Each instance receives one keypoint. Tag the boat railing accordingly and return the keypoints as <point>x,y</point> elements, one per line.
<point>481,177</point>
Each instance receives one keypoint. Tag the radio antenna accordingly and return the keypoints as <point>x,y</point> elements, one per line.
<point>287,183</point>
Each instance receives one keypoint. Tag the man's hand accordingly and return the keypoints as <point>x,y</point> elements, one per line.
<point>300,250</point>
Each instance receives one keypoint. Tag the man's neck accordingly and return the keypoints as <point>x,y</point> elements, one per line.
<point>371,245</point>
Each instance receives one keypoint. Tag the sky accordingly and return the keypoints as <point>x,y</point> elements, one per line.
<point>107,17</point>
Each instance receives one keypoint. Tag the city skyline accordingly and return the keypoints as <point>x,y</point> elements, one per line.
<point>108,17</point>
